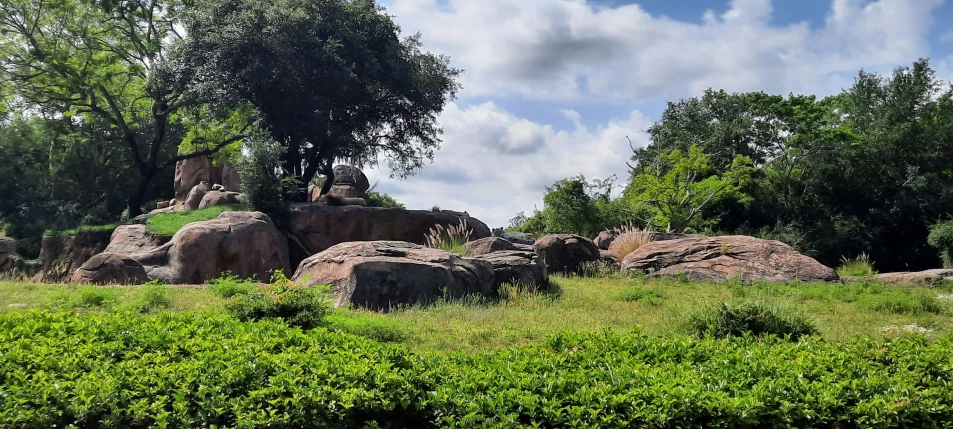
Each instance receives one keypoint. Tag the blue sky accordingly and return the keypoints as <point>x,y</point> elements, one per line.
<point>552,88</point>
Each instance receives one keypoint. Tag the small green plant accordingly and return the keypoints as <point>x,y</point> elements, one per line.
<point>941,237</point>
<point>754,319</point>
<point>229,285</point>
<point>87,298</point>
<point>861,266</point>
<point>285,300</point>
<point>435,208</point>
<point>643,295</point>
<point>598,270</point>
<point>155,296</point>
<point>452,239</point>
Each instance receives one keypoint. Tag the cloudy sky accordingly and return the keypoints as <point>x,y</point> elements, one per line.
<point>551,88</point>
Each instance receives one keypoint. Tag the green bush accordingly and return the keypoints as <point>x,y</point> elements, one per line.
<point>285,300</point>
<point>87,298</point>
<point>941,237</point>
<point>750,319</point>
<point>155,296</point>
<point>643,295</point>
<point>229,285</point>
<point>124,370</point>
<point>262,185</point>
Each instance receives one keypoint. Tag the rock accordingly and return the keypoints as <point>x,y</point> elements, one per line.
<point>565,252</point>
<point>172,202</point>
<point>380,275</point>
<point>344,192</point>
<point>191,172</point>
<point>220,198</point>
<point>195,196</point>
<point>927,277</point>
<point>61,255</point>
<point>8,245</point>
<point>132,239</point>
<point>333,200</point>
<point>518,237</point>
<point>245,243</point>
<point>231,181</point>
<point>488,245</point>
<point>162,205</point>
<point>218,188</point>
<point>607,257</point>
<point>605,239</point>
<point>314,193</point>
<point>110,268</point>
<point>345,175</point>
<point>319,227</point>
<point>524,247</point>
<point>517,268</point>
<point>723,258</point>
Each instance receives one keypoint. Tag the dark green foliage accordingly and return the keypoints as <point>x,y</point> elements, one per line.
<point>155,296</point>
<point>185,370</point>
<point>284,300</point>
<point>750,319</point>
<point>380,199</point>
<point>262,184</point>
<point>941,237</point>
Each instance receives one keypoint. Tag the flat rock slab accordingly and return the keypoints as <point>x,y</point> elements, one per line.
<point>914,278</point>
<point>382,275</point>
<point>722,258</point>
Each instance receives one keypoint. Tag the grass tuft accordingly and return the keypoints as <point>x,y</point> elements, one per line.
<point>628,241</point>
<point>861,266</point>
<point>452,239</point>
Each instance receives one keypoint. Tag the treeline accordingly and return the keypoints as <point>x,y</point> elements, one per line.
<point>869,170</point>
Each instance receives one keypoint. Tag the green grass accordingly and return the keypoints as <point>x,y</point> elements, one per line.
<point>660,308</point>
<point>74,231</point>
<point>860,266</point>
<point>170,223</point>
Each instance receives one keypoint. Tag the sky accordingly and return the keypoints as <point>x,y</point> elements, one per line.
<point>556,88</point>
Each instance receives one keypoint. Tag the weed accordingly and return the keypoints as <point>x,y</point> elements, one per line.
<point>87,298</point>
<point>452,239</point>
<point>229,285</point>
<point>861,266</point>
<point>643,295</point>
<point>155,296</point>
<point>755,319</point>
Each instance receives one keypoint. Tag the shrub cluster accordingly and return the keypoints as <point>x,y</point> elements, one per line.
<point>124,370</point>
<point>283,299</point>
<point>750,319</point>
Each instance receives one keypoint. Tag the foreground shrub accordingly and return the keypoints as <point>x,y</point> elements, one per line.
<point>185,370</point>
<point>750,319</point>
<point>861,266</point>
<point>284,300</point>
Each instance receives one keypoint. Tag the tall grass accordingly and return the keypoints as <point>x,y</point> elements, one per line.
<point>861,266</point>
<point>452,239</point>
<point>628,241</point>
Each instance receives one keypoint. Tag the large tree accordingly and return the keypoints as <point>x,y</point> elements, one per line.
<point>105,60</point>
<point>332,79</point>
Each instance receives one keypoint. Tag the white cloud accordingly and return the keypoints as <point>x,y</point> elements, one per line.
<point>573,50</point>
<point>477,170</point>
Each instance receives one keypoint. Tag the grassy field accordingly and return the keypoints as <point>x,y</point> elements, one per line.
<point>656,307</point>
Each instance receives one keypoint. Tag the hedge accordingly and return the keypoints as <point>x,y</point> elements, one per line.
<point>188,370</point>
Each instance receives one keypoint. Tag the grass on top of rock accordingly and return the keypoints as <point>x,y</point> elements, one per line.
<point>74,231</point>
<point>168,224</point>
<point>452,239</point>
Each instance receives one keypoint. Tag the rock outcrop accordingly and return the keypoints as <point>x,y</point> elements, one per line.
<point>196,195</point>
<point>349,182</point>
<point>62,255</point>
<point>517,268</point>
<point>723,258</point>
<point>382,275</point>
<point>316,228</point>
<point>191,172</point>
<point>110,268</point>
<point>565,252</point>
<point>488,245</point>
<point>605,239</point>
<point>220,198</point>
<point>245,243</point>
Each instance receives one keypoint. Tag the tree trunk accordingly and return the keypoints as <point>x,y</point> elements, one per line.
<point>134,203</point>
<point>328,172</point>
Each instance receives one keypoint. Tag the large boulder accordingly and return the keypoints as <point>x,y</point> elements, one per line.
<point>316,228</point>
<point>196,195</point>
<point>565,252</point>
<point>488,245</point>
<point>517,268</point>
<point>220,198</point>
<point>346,175</point>
<point>189,173</point>
<point>8,249</point>
<point>8,245</point>
<point>110,268</point>
<point>605,239</point>
<point>514,237</point>
<point>244,243</point>
<point>133,239</point>
<point>723,258</point>
<point>381,275</point>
